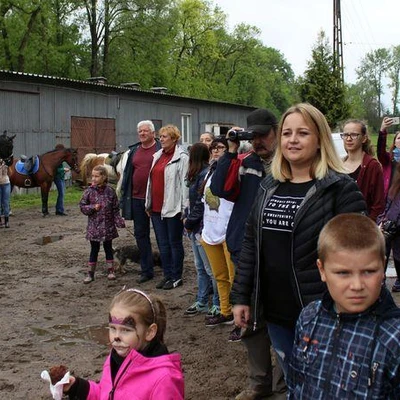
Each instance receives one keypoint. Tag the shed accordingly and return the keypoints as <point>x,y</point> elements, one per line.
<point>95,117</point>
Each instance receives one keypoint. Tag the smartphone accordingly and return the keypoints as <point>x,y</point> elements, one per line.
<point>395,120</point>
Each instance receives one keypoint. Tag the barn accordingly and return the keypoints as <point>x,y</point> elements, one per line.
<point>95,117</point>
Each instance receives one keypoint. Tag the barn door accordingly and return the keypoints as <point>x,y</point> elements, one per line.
<point>92,135</point>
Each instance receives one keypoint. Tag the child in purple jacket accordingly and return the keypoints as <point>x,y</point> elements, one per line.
<point>139,365</point>
<point>100,203</point>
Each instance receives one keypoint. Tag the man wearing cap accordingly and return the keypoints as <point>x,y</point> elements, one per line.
<point>237,178</point>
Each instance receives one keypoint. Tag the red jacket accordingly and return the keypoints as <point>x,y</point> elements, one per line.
<point>370,182</point>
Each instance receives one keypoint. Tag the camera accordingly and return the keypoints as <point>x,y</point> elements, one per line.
<point>240,134</point>
<point>396,120</point>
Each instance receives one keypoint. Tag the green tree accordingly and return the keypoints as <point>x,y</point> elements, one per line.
<point>373,69</point>
<point>321,84</point>
<point>394,77</point>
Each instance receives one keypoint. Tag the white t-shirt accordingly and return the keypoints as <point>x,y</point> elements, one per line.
<point>217,212</point>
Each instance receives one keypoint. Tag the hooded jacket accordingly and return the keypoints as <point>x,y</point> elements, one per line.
<point>370,182</point>
<point>141,378</point>
<point>346,356</point>
<point>334,194</point>
<point>176,192</point>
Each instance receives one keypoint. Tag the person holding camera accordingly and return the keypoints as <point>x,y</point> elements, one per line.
<point>237,178</point>
<point>388,159</point>
<point>389,221</point>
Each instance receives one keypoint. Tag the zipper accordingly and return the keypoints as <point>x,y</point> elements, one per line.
<point>333,352</point>
<point>267,197</point>
<point>111,394</point>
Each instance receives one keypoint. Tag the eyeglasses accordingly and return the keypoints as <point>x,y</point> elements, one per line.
<point>353,136</point>
<point>144,130</point>
<point>218,148</point>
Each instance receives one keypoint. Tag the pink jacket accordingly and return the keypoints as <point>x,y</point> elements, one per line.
<point>141,378</point>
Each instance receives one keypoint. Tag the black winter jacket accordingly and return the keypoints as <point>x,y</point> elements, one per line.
<point>332,195</point>
<point>125,202</point>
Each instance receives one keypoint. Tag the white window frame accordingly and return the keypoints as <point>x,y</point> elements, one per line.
<point>186,128</point>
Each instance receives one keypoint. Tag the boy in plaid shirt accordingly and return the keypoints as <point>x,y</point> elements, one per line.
<point>347,345</point>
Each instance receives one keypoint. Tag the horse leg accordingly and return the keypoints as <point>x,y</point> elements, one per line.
<point>44,190</point>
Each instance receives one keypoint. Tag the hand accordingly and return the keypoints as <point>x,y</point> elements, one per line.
<point>97,207</point>
<point>386,122</point>
<point>67,386</point>
<point>241,315</point>
<point>233,145</point>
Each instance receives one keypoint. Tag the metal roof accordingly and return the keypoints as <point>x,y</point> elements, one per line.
<point>103,87</point>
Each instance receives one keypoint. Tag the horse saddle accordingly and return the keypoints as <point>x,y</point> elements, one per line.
<point>27,166</point>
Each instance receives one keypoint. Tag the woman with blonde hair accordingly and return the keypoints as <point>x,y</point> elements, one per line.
<point>167,196</point>
<point>307,187</point>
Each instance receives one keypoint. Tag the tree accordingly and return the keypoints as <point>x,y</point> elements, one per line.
<point>321,84</point>
<point>373,68</point>
<point>394,76</point>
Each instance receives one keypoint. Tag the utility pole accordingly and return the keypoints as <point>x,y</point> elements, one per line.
<point>337,40</point>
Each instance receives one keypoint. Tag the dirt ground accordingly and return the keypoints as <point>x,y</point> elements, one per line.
<point>50,317</point>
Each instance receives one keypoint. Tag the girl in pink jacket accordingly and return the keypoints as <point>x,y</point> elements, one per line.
<point>139,366</point>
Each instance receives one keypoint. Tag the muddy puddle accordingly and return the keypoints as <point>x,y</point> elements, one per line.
<point>69,335</point>
<point>48,239</point>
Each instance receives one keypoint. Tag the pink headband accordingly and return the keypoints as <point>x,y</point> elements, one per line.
<point>145,296</point>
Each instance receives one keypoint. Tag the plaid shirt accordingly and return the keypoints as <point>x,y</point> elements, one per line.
<point>346,356</point>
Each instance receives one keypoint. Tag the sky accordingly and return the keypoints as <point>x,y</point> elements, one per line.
<point>292,26</point>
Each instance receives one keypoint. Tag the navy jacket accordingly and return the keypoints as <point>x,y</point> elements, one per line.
<point>125,201</point>
<point>237,179</point>
<point>346,356</point>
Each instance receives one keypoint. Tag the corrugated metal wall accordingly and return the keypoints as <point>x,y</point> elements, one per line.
<point>40,114</point>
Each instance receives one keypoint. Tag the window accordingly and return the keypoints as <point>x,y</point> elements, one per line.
<point>186,123</point>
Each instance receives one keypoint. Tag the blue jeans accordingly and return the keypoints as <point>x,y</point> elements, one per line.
<point>282,340</point>
<point>60,185</point>
<point>141,230</point>
<point>205,277</point>
<point>5,192</point>
<point>169,239</point>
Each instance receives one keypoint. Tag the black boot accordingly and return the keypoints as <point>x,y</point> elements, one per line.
<point>1,223</point>
<point>6,223</point>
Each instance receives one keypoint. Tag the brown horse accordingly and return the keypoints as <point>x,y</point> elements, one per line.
<point>43,175</point>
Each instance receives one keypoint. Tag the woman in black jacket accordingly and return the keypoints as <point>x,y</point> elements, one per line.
<point>307,187</point>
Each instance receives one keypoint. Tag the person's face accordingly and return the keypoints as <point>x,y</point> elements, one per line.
<point>97,178</point>
<point>206,139</point>
<point>351,144</point>
<point>217,150</point>
<point>146,135</point>
<point>397,140</point>
<point>299,141</point>
<point>354,279</point>
<point>264,145</point>
<point>126,331</point>
<point>166,141</point>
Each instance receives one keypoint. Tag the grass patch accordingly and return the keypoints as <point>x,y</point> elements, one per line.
<point>73,195</point>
